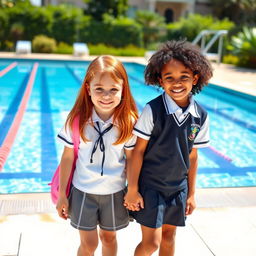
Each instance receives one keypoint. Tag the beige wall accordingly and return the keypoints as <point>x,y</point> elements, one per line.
<point>203,7</point>
<point>179,9</point>
<point>140,4</point>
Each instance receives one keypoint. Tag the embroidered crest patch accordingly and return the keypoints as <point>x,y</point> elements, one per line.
<point>195,128</point>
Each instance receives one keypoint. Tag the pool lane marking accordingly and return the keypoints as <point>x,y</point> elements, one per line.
<point>10,113</point>
<point>219,159</point>
<point>48,146</point>
<point>235,120</point>
<point>217,154</point>
<point>140,107</point>
<point>220,153</point>
<point>233,171</point>
<point>75,76</point>
<point>11,135</point>
<point>8,68</point>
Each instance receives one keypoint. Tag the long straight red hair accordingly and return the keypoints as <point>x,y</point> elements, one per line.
<point>125,114</point>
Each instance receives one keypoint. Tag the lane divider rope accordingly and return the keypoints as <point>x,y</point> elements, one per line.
<point>7,69</point>
<point>220,154</point>
<point>11,135</point>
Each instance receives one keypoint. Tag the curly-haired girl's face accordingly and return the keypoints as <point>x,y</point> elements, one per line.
<point>177,81</point>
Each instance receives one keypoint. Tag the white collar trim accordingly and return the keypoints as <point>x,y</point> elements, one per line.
<point>95,118</point>
<point>171,107</point>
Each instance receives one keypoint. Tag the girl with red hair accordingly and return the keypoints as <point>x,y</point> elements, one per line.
<point>107,113</point>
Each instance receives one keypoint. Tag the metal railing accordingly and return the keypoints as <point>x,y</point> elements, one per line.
<point>217,35</point>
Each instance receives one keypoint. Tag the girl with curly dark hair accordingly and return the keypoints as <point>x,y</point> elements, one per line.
<point>162,173</point>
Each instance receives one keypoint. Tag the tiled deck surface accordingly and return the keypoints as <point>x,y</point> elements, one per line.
<point>223,224</point>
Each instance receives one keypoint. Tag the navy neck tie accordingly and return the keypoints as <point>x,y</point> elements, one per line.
<point>100,142</point>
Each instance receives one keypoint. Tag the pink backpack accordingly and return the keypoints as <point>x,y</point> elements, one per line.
<point>55,179</point>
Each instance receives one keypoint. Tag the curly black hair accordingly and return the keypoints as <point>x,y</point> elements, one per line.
<point>185,52</point>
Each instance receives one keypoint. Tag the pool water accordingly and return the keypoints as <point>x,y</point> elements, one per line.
<point>229,162</point>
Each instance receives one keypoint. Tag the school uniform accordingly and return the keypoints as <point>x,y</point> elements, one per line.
<point>172,134</point>
<point>99,179</point>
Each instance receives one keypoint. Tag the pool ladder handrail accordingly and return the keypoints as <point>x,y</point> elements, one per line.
<point>217,35</point>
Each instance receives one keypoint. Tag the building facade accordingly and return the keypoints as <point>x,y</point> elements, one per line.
<point>172,10</point>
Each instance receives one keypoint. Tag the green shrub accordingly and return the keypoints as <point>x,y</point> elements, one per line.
<point>153,25</point>
<point>243,45</point>
<point>113,32</point>
<point>16,31</point>
<point>34,20</point>
<point>64,48</point>
<point>7,45</point>
<point>191,26</point>
<point>3,24</point>
<point>129,50</point>
<point>43,44</point>
<point>66,23</point>
<point>230,59</point>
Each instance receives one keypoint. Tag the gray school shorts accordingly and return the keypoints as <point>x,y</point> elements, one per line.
<point>88,210</point>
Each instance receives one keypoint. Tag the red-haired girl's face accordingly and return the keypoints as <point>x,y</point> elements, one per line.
<point>106,94</point>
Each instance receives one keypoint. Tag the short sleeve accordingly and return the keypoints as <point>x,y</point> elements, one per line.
<point>130,144</point>
<point>202,140</point>
<point>144,126</point>
<point>65,136</point>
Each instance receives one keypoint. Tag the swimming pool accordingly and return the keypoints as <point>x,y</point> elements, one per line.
<point>229,162</point>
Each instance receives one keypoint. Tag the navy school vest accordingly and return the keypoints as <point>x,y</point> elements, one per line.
<point>166,159</point>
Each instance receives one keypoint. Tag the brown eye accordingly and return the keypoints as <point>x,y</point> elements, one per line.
<point>169,79</point>
<point>184,78</point>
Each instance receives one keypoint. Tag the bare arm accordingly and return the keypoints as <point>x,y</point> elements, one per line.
<point>191,205</point>
<point>133,197</point>
<point>65,170</point>
<point>128,154</point>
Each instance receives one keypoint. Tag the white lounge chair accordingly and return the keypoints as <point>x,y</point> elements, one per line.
<point>23,47</point>
<point>80,49</point>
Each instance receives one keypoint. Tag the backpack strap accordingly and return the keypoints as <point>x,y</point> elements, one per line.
<point>75,135</point>
<point>75,138</point>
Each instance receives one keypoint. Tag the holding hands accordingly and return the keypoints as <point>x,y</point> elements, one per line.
<point>133,201</point>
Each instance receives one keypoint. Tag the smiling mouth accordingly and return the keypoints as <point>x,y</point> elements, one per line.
<point>177,90</point>
<point>105,103</point>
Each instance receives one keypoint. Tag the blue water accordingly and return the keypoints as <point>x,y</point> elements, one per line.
<point>35,152</point>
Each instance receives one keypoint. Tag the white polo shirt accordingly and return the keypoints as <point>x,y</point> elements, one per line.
<point>145,124</point>
<point>87,176</point>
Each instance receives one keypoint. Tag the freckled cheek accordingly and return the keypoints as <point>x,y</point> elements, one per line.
<point>95,96</point>
<point>118,96</point>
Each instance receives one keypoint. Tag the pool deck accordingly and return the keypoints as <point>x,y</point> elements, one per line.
<point>224,222</point>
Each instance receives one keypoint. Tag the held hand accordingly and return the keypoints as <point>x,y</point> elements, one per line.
<point>62,207</point>
<point>133,201</point>
<point>190,205</point>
